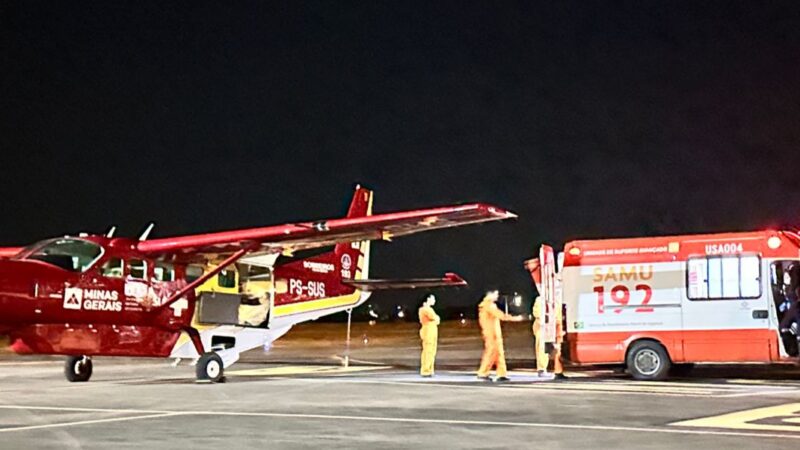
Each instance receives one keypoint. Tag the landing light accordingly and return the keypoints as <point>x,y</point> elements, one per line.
<point>774,242</point>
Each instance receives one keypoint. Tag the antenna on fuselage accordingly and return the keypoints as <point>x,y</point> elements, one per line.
<point>147,231</point>
<point>111,231</point>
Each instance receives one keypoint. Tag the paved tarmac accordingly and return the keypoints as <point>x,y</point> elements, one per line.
<point>148,404</point>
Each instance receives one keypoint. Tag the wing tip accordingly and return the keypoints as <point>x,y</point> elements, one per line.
<point>455,279</point>
<point>498,212</point>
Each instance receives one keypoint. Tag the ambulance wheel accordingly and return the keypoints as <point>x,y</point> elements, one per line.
<point>648,360</point>
<point>78,368</point>
<point>209,368</point>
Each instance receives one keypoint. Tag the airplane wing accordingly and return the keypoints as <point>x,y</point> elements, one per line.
<point>293,237</point>
<point>449,280</point>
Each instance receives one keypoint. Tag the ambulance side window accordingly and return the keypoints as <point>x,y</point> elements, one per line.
<point>723,277</point>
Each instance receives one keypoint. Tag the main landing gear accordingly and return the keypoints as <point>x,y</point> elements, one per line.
<point>78,368</point>
<point>209,368</point>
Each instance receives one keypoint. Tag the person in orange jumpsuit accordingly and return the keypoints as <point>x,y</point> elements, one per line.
<point>429,335</point>
<point>494,355</point>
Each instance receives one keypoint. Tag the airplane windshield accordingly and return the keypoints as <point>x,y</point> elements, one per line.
<point>75,255</point>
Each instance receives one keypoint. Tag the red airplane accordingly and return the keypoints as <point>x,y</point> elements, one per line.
<point>99,295</point>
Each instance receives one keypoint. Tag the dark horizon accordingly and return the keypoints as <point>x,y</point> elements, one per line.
<point>587,121</point>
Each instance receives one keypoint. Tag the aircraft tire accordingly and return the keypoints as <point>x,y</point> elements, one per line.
<point>78,369</point>
<point>209,368</point>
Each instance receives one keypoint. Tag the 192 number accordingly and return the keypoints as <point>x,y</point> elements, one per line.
<point>621,295</point>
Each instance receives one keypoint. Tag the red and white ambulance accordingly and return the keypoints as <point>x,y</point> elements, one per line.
<point>658,303</point>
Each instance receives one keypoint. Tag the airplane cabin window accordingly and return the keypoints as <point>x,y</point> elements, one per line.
<point>138,269</point>
<point>114,268</point>
<point>227,278</point>
<point>193,272</point>
<point>164,271</point>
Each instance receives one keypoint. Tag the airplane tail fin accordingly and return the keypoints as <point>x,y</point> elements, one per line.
<point>354,256</point>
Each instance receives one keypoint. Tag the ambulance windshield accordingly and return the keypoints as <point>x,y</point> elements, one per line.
<point>74,255</point>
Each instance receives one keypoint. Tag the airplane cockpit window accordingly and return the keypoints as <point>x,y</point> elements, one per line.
<point>164,271</point>
<point>75,255</point>
<point>138,269</point>
<point>113,268</point>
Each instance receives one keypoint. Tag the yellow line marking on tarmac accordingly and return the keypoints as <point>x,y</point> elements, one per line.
<point>85,422</point>
<point>303,370</point>
<point>771,418</point>
<point>414,420</point>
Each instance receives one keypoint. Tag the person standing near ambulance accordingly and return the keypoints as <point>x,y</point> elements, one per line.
<point>494,355</point>
<point>429,335</point>
<point>543,353</point>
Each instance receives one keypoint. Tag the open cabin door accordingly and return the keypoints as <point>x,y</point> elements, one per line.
<point>248,303</point>
<point>258,296</point>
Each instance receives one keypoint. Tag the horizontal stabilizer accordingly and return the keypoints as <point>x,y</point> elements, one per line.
<point>449,280</point>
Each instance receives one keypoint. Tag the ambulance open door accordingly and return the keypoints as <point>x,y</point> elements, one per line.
<point>545,278</point>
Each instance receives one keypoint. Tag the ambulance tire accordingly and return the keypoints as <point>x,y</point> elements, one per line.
<point>78,369</point>
<point>209,368</point>
<point>648,360</point>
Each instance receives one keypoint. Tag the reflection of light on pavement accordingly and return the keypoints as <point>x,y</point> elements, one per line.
<point>267,346</point>
<point>372,323</point>
<point>365,339</point>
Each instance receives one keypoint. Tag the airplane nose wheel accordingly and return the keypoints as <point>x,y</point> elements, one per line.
<point>78,368</point>
<point>209,369</point>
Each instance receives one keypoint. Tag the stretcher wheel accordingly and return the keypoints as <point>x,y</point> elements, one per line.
<point>648,360</point>
<point>209,368</point>
<point>78,368</point>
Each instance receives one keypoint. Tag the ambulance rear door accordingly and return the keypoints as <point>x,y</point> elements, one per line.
<point>550,293</point>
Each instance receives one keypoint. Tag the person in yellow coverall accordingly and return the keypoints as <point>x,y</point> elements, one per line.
<point>542,353</point>
<point>429,334</point>
<point>494,355</point>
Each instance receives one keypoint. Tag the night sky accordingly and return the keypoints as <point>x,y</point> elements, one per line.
<point>587,119</point>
